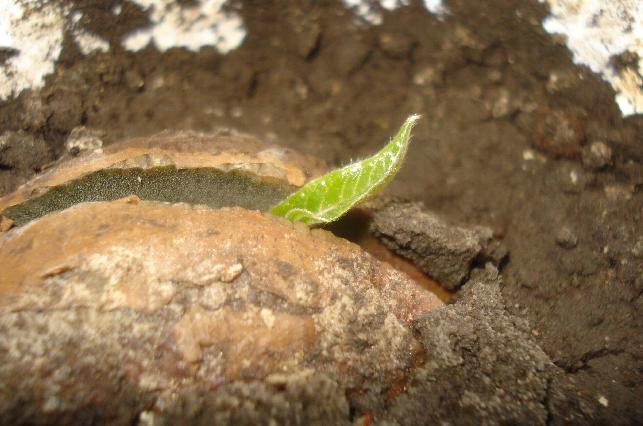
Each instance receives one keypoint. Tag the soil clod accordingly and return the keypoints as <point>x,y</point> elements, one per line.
<point>444,252</point>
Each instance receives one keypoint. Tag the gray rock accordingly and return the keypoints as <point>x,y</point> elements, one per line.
<point>83,139</point>
<point>442,251</point>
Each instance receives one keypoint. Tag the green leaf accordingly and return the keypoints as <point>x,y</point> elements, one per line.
<point>328,197</point>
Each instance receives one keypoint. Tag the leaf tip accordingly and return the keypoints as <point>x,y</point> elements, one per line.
<point>328,197</point>
<point>409,124</point>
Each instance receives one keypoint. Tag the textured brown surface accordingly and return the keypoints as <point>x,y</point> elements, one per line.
<point>171,296</point>
<point>312,77</point>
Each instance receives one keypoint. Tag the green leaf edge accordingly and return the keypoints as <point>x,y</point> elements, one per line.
<point>293,204</point>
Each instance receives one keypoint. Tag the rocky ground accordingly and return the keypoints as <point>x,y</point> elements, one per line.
<point>514,137</point>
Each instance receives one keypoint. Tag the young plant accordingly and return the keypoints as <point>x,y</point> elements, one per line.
<point>328,197</point>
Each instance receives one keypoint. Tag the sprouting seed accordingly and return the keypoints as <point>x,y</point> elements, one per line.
<point>328,197</point>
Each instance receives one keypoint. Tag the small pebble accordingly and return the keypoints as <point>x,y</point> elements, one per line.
<point>565,238</point>
<point>494,76</point>
<point>596,156</point>
<point>428,76</point>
